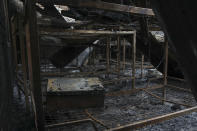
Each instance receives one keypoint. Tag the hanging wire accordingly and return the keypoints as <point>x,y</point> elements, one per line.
<point>161,61</point>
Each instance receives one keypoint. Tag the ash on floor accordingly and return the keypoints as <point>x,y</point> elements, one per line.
<point>125,109</point>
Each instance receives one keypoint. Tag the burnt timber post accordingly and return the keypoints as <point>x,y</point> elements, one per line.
<point>33,53</point>
<point>124,53</point>
<point>108,55</point>
<point>118,55</point>
<point>14,45</point>
<point>24,64</point>
<point>13,35</point>
<point>133,59</point>
<point>165,67</point>
<point>142,66</point>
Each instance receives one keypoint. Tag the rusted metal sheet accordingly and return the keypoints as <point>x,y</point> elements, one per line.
<point>74,93</point>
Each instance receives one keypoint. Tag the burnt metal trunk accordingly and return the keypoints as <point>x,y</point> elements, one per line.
<point>178,18</point>
<point>70,93</point>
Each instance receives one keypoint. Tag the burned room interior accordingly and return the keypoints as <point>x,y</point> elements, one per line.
<point>98,65</point>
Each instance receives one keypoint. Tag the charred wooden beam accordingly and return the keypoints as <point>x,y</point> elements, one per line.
<point>62,41</point>
<point>95,32</point>
<point>58,23</point>
<point>103,6</point>
<point>100,16</point>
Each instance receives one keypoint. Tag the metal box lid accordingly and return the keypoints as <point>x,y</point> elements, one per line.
<point>73,85</point>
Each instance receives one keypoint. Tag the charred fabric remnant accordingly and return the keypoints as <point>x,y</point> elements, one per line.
<point>179,20</point>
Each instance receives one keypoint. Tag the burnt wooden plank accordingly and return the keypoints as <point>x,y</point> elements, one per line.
<point>103,6</point>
